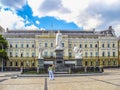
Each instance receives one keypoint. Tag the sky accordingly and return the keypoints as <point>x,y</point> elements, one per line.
<point>60,14</point>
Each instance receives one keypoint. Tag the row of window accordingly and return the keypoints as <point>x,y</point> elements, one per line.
<point>96,54</point>
<point>103,63</point>
<point>21,54</point>
<point>70,54</point>
<point>21,63</point>
<point>108,45</point>
<point>86,63</point>
<point>70,45</point>
<point>22,45</point>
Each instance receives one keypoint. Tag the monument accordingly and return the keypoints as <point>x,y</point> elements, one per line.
<point>78,56</point>
<point>40,58</point>
<point>59,62</point>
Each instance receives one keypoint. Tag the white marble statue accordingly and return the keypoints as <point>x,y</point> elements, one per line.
<point>78,52</point>
<point>40,56</point>
<point>59,40</point>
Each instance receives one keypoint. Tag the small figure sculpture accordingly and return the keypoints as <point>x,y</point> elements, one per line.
<point>78,52</point>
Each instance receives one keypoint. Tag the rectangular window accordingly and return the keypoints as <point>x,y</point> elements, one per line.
<point>86,63</point>
<point>33,64</point>
<point>11,54</point>
<point>21,45</point>
<point>16,54</point>
<point>45,44</point>
<point>70,54</point>
<point>46,54</point>
<point>10,45</point>
<point>22,63</point>
<point>33,54</point>
<point>86,54</point>
<point>113,45</point>
<point>16,46</point>
<point>114,63</point>
<point>108,54</point>
<point>69,45</point>
<point>91,54</point>
<point>51,44</point>
<point>90,45</point>
<point>85,45</point>
<point>10,63</point>
<point>108,62</point>
<point>51,54</point>
<point>16,63</point>
<point>32,45</point>
<point>103,54</point>
<point>108,45</point>
<point>103,62</point>
<point>96,45</point>
<point>80,45</point>
<point>103,45</point>
<point>27,54</point>
<point>21,54</point>
<point>113,54</point>
<point>91,63</point>
<point>96,54</point>
<point>62,44</point>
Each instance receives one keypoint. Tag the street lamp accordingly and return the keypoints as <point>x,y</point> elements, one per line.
<point>2,59</point>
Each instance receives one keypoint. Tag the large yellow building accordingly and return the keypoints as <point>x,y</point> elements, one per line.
<point>99,48</point>
<point>119,51</point>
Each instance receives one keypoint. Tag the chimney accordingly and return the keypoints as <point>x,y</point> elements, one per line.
<point>110,28</point>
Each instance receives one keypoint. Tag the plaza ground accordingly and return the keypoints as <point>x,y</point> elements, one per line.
<point>109,80</point>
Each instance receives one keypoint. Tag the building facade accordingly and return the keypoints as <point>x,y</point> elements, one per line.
<point>119,51</point>
<point>99,48</point>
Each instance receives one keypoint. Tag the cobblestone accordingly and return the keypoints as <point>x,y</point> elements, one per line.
<point>110,80</point>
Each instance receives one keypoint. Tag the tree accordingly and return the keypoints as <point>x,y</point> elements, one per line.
<point>3,47</point>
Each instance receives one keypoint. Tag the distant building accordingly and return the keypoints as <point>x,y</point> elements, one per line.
<point>99,48</point>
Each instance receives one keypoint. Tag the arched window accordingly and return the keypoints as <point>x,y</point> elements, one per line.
<point>10,45</point>
<point>16,46</point>
<point>27,46</point>
<point>103,54</point>
<point>103,45</point>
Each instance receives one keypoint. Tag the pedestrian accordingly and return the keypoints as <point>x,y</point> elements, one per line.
<point>51,72</point>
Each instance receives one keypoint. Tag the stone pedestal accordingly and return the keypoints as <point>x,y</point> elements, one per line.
<point>78,62</point>
<point>41,63</point>
<point>59,62</point>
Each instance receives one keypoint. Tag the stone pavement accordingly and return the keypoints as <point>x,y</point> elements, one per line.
<point>110,80</point>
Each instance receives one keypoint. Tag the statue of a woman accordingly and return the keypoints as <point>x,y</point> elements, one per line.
<point>59,40</point>
<point>40,53</point>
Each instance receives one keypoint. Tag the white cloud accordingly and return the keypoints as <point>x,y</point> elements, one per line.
<point>85,13</point>
<point>9,19</point>
<point>14,4</point>
<point>32,27</point>
<point>117,29</point>
<point>37,22</point>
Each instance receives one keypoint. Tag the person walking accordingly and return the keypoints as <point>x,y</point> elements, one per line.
<point>51,72</point>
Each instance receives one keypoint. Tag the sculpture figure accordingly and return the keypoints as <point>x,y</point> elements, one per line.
<point>58,40</point>
<point>78,52</point>
<point>40,53</point>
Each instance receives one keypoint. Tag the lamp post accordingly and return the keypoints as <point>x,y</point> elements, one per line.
<point>2,59</point>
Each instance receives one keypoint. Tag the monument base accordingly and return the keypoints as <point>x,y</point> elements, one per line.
<point>59,62</point>
<point>41,63</point>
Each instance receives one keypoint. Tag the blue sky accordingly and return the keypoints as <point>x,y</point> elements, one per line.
<point>60,14</point>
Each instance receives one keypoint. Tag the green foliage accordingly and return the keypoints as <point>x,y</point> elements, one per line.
<point>3,47</point>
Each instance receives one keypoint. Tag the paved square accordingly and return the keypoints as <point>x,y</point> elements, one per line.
<point>109,80</point>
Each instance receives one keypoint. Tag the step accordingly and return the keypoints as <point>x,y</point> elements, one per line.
<point>61,72</point>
